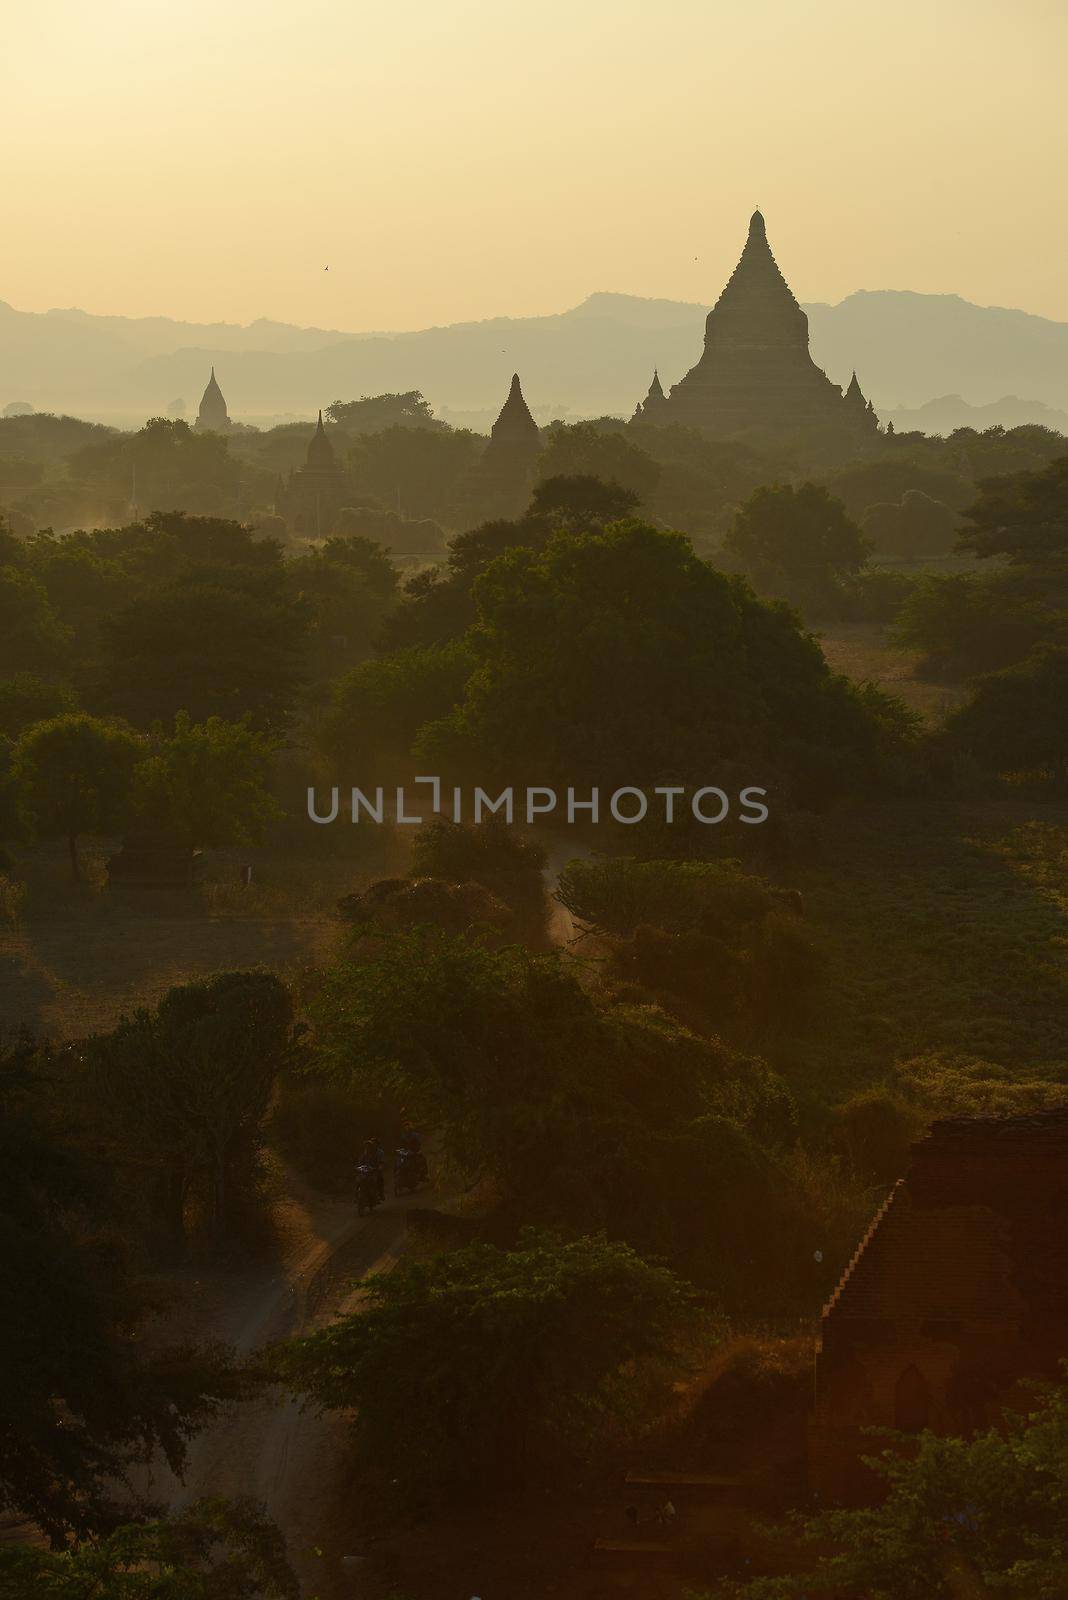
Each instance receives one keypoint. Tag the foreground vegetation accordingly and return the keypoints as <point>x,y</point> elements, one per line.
<point>671,1119</point>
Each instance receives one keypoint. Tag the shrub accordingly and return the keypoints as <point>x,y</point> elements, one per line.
<point>492,854</point>
<point>482,1367</point>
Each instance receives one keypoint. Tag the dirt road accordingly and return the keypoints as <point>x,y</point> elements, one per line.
<point>271,1449</point>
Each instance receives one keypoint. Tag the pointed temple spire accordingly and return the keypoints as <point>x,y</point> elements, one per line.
<point>515,432</point>
<point>756,374</point>
<point>854,394</point>
<point>647,409</point>
<point>212,415</point>
<point>320,450</point>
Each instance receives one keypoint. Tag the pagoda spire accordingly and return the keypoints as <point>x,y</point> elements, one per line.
<point>515,425</point>
<point>647,410</point>
<point>213,415</point>
<point>320,450</point>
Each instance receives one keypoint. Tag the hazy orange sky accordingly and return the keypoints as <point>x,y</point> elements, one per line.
<point>459,159</point>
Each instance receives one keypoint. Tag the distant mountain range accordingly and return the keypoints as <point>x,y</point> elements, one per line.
<point>593,360</point>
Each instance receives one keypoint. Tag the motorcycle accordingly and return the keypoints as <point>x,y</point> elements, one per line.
<point>367,1192</point>
<point>409,1171</point>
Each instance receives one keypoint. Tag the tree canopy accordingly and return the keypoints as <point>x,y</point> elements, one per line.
<point>215,1550</point>
<point>81,1399</point>
<point>977,1517</point>
<point>466,1371</point>
<point>1023,515</point>
<point>621,658</point>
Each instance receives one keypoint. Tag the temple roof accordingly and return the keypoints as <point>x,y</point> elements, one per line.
<point>854,393</point>
<point>756,285</point>
<point>515,421</point>
<point>212,412</point>
<point>320,450</point>
<point>656,391</point>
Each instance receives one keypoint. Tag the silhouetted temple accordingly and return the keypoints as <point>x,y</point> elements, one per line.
<point>316,491</point>
<point>515,442</point>
<point>955,1299</point>
<point>756,373</point>
<point>649,407</point>
<point>501,484</point>
<point>213,415</point>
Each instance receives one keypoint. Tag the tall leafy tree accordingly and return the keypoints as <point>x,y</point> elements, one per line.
<point>31,635</point>
<point>374,412</point>
<point>1017,719</point>
<point>1022,515</point>
<point>221,641</point>
<point>192,1081</point>
<point>510,1360</point>
<point>207,783</point>
<point>621,658</point>
<point>216,1550</point>
<point>80,1398</point>
<point>575,1114</point>
<point>72,776</point>
<point>798,543</point>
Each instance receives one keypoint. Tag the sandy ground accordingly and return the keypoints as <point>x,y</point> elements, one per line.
<point>272,1449</point>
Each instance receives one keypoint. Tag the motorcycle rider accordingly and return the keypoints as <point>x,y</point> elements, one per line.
<point>410,1140</point>
<point>374,1156</point>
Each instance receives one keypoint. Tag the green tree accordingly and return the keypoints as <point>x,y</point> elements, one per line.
<point>967,623</point>
<point>492,854</point>
<point>915,528</point>
<point>31,635</point>
<point>575,1113</point>
<point>216,1550</point>
<point>220,642</point>
<point>582,501</point>
<point>513,1362</point>
<point>350,584</point>
<point>797,543</point>
<point>376,412</point>
<point>167,463</point>
<point>377,709</point>
<point>26,698</point>
<point>439,606</point>
<point>1023,516</point>
<point>621,658</point>
<point>207,783</point>
<point>705,934</point>
<point>72,776</point>
<point>1017,719</point>
<point>583,449</point>
<point>979,1517</point>
<point>617,894</point>
<point>415,470</point>
<point>81,1399</point>
<point>192,1081</point>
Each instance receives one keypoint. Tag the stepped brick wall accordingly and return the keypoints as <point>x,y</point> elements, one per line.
<point>957,1296</point>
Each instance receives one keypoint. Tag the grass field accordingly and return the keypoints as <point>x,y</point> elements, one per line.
<point>946,927</point>
<point>77,957</point>
<point>863,651</point>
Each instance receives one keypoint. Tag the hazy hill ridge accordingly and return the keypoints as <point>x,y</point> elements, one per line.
<point>596,357</point>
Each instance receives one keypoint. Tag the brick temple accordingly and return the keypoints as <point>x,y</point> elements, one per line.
<point>755,374</point>
<point>956,1297</point>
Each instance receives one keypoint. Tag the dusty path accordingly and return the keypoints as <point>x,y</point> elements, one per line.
<point>271,1449</point>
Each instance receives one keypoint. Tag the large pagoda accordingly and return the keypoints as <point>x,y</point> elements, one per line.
<point>213,416</point>
<point>756,373</point>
